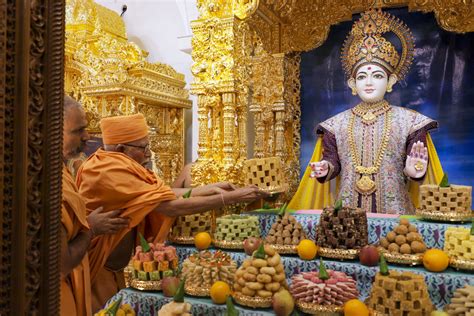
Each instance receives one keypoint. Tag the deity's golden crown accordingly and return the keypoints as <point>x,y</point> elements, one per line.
<point>365,44</point>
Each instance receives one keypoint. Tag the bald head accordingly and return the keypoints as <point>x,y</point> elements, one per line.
<point>74,132</point>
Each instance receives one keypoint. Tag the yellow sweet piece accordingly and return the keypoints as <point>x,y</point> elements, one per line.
<point>459,243</point>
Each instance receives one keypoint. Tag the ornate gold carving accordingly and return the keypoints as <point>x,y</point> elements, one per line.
<point>111,76</point>
<point>254,66</point>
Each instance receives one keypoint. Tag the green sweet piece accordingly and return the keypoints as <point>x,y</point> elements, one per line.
<point>155,275</point>
<point>323,274</point>
<point>383,265</point>
<point>168,273</point>
<point>144,243</point>
<point>444,182</point>
<point>142,275</point>
<point>179,295</point>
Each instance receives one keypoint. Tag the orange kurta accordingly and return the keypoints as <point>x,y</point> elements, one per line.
<point>115,181</point>
<point>75,288</point>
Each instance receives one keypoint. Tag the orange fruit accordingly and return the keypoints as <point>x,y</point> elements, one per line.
<point>307,249</point>
<point>435,260</point>
<point>219,292</point>
<point>355,308</point>
<point>202,240</point>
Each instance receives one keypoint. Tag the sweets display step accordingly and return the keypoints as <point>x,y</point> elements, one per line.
<point>336,290</point>
<point>202,269</point>
<point>404,244</point>
<point>400,294</point>
<point>342,229</point>
<point>152,264</point>
<point>260,277</point>
<point>186,227</point>
<point>285,231</point>
<point>236,228</point>
<point>462,302</point>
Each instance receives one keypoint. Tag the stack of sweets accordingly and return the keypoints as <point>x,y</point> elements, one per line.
<point>202,269</point>
<point>235,228</point>
<point>150,265</point>
<point>345,228</point>
<point>286,231</point>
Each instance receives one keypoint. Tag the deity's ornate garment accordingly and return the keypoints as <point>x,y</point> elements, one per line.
<point>369,151</point>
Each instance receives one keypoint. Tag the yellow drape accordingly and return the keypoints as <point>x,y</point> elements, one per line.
<point>312,195</point>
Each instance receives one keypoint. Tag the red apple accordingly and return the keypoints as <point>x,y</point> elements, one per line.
<point>251,244</point>
<point>169,285</point>
<point>369,256</point>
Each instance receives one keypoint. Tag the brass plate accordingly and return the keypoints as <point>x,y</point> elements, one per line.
<point>462,264</point>
<point>197,291</point>
<point>406,259</point>
<point>228,244</point>
<point>254,302</point>
<point>145,285</point>
<point>338,253</point>
<point>317,309</point>
<point>285,249</point>
<point>445,216</point>
<point>183,240</point>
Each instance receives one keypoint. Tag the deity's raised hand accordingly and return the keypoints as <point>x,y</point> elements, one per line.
<point>319,169</point>
<point>417,161</point>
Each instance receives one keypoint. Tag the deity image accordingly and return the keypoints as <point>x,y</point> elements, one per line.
<point>379,152</point>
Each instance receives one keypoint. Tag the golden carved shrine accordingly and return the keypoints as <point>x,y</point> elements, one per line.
<point>111,76</point>
<point>246,65</point>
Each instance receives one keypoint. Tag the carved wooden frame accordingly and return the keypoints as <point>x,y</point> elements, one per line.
<point>31,102</point>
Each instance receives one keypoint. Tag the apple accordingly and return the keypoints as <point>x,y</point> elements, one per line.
<point>169,285</point>
<point>369,256</point>
<point>251,244</point>
<point>283,303</point>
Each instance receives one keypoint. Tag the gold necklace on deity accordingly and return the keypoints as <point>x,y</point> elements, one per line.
<point>365,185</point>
<point>369,112</point>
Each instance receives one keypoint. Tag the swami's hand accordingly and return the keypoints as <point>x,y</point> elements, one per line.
<point>319,169</point>
<point>417,161</point>
<point>106,223</point>
<point>213,188</point>
<point>247,194</point>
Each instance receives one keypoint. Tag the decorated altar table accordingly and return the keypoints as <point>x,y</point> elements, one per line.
<point>440,285</point>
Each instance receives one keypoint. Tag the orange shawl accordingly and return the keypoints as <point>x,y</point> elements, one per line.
<point>76,287</point>
<point>115,181</point>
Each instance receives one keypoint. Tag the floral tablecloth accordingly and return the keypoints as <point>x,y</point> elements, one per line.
<point>433,233</point>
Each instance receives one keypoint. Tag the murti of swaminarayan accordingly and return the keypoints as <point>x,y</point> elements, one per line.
<point>365,44</point>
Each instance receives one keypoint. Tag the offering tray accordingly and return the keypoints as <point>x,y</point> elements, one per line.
<point>338,253</point>
<point>183,240</point>
<point>317,309</point>
<point>445,216</point>
<point>228,244</point>
<point>145,285</point>
<point>462,264</point>
<point>285,249</point>
<point>197,291</point>
<point>254,302</point>
<point>405,259</point>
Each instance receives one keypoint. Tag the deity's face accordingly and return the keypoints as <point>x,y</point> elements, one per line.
<point>371,82</point>
<point>74,131</point>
